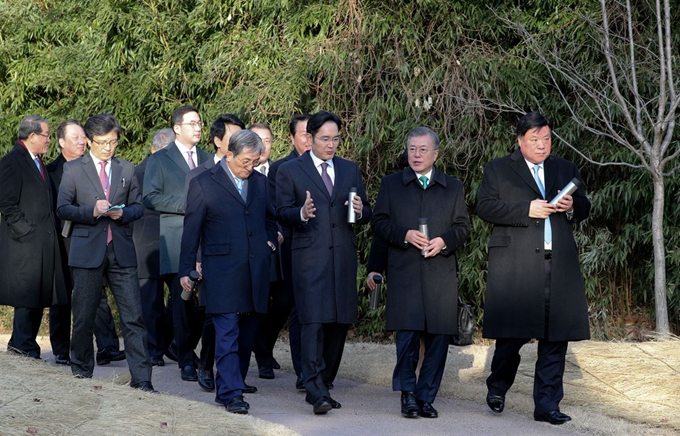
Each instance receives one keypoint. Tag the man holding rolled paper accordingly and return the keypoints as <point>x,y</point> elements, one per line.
<point>421,214</point>
<point>534,286</point>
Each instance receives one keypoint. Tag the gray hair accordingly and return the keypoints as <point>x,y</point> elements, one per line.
<point>161,138</point>
<point>30,124</point>
<point>245,140</point>
<point>424,131</point>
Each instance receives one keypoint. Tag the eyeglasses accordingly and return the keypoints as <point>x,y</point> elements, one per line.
<point>327,140</point>
<point>111,143</point>
<point>44,135</point>
<point>193,124</point>
<point>248,165</point>
<point>419,150</point>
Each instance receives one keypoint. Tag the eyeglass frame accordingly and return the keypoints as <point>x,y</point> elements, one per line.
<point>326,140</point>
<point>102,144</point>
<point>251,164</point>
<point>193,124</point>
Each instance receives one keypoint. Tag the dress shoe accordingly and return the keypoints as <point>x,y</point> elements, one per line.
<point>426,410</point>
<point>555,417</point>
<point>237,405</point>
<point>409,407</point>
<point>157,361</point>
<point>275,364</point>
<point>145,386</point>
<point>266,372</point>
<point>249,389</point>
<point>206,379</point>
<point>299,384</point>
<point>495,402</point>
<point>189,373</point>
<point>322,406</point>
<point>62,359</point>
<point>171,352</point>
<point>334,404</point>
<point>108,355</point>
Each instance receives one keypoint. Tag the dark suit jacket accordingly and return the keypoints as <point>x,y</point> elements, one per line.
<point>514,304</point>
<point>233,235</point>
<point>29,248</point>
<point>164,192</point>
<point>324,249</point>
<point>146,234</point>
<point>80,187</point>
<point>422,293</point>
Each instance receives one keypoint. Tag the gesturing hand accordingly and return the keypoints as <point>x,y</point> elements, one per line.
<point>308,208</point>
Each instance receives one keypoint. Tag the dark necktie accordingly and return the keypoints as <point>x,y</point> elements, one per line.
<point>326,178</point>
<point>190,161</point>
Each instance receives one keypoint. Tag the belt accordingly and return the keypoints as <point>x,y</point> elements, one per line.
<point>548,254</point>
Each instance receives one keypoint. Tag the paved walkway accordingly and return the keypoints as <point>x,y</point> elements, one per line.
<point>366,409</point>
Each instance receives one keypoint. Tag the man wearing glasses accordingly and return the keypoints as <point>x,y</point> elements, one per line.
<point>166,171</point>
<point>228,214</point>
<point>32,276</point>
<point>311,198</point>
<point>99,194</point>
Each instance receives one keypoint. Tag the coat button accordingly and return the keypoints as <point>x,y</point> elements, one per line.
<point>538,223</point>
<point>247,212</point>
<point>538,250</point>
<point>250,233</point>
<point>333,225</point>
<point>252,256</point>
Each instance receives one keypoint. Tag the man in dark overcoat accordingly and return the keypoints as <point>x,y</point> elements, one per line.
<point>164,179</point>
<point>32,274</point>
<point>534,286</point>
<point>311,198</point>
<point>228,214</point>
<point>422,293</point>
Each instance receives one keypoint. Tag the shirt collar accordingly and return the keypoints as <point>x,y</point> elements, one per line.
<point>183,148</point>
<point>318,161</point>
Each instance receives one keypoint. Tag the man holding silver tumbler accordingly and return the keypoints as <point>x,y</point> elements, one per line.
<point>534,286</point>
<point>422,267</point>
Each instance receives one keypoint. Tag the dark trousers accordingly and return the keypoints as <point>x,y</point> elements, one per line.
<point>322,347</point>
<point>228,381</point>
<point>549,372</point>
<point>60,328</point>
<point>429,379</point>
<point>208,344</point>
<point>87,294</point>
<point>157,318</point>
<point>247,326</point>
<point>25,328</point>
<point>187,322</point>
<point>270,326</point>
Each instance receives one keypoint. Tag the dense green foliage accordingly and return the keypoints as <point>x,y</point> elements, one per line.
<point>385,67</point>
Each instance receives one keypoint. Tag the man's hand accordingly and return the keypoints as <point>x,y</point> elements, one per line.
<point>186,283</point>
<point>279,238</point>
<point>115,214</point>
<point>541,209</point>
<point>100,207</point>
<point>308,208</point>
<point>199,270</point>
<point>357,205</point>
<point>417,239</point>
<point>434,247</point>
<point>565,204</point>
<point>369,280</point>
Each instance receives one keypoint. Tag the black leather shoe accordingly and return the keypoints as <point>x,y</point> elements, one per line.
<point>145,386</point>
<point>171,352</point>
<point>495,402</point>
<point>266,372</point>
<point>249,389</point>
<point>62,359</point>
<point>275,364</point>
<point>334,404</point>
<point>322,406</point>
<point>206,379</point>
<point>237,405</point>
<point>299,384</point>
<point>189,373</point>
<point>555,417</point>
<point>157,361</point>
<point>409,407</point>
<point>108,355</point>
<point>426,410</point>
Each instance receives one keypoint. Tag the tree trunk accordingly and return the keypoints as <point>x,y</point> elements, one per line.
<point>661,305</point>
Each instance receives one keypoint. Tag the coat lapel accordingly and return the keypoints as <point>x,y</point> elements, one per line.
<point>116,172</point>
<point>220,176</point>
<point>91,173</point>
<point>175,155</point>
<point>519,165</point>
<point>550,175</point>
<point>308,167</point>
<point>340,176</point>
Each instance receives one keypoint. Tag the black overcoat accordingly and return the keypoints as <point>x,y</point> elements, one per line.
<point>515,304</point>
<point>32,274</point>
<point>422,294</point>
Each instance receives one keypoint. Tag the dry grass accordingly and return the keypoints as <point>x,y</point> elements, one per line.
<point>38,399</point>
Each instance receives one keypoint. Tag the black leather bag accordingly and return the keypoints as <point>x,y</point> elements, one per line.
<point>466,325</point>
